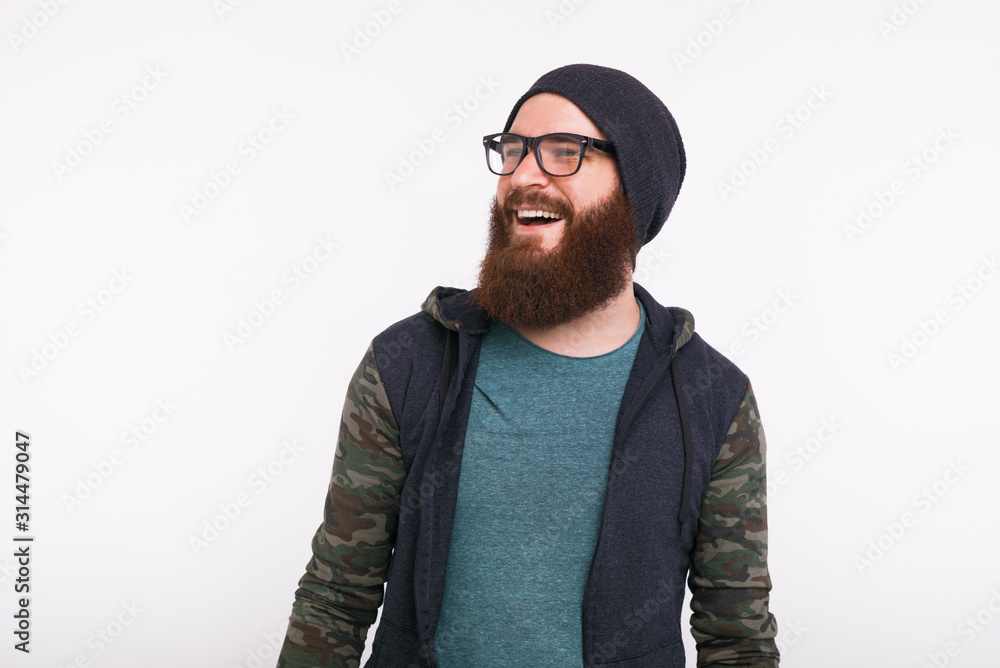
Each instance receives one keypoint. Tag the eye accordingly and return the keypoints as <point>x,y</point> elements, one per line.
<point>510,148</point>
<point>565,152</point>
<point>562,148</point>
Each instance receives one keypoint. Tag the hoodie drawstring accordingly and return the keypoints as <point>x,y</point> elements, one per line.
<point>445,379</point>
<point>688,445</point>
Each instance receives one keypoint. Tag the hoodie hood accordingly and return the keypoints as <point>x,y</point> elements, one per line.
<point>453,308</point>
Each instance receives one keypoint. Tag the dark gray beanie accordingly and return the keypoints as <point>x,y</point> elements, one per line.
<point>650,151</point>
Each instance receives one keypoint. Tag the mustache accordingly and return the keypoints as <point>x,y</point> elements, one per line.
<point>516,198</point>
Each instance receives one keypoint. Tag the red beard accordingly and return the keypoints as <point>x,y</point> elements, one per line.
<point>525,286</point>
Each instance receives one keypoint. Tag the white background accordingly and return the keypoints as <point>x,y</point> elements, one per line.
<point>782,238</point>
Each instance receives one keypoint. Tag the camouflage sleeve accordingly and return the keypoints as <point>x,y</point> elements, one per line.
<point>339,595</point>
<point>729,579</point>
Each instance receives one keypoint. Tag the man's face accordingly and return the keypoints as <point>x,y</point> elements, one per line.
<point>531,188</point>
<point>540,276</point>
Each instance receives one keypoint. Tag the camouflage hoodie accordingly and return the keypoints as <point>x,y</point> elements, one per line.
<point>685,496</point>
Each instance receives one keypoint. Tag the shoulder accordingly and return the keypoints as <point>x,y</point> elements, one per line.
<point>405,338</point>
<point>409,353</point>
<point>709,365</point>
<point>424,333</point>
<point>712,377</point>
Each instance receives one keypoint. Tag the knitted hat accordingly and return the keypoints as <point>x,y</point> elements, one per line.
<point>650,151</point>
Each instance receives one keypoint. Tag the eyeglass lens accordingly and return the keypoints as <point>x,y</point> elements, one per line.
<point>560,154</point>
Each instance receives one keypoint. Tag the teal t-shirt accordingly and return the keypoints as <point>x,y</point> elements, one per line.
<point>530,495</point>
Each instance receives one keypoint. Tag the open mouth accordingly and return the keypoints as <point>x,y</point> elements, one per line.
<point>537,217</point>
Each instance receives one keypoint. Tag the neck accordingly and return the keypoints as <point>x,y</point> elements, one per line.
<point>595,333</point>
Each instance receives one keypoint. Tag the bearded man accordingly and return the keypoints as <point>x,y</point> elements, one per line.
<point>536,465</point>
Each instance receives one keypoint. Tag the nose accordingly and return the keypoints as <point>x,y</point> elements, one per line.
<point>528,173</point>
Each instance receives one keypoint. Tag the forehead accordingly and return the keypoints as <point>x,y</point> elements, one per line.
<point>547,112</point>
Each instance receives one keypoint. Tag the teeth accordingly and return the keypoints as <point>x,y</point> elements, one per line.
<point>537,214</point>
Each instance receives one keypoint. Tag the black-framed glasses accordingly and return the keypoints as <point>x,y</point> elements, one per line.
<point>557,154</point>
